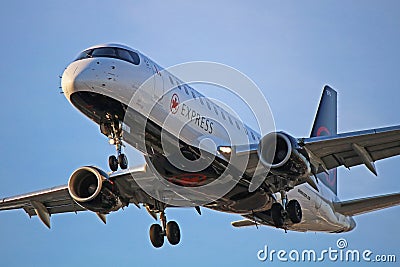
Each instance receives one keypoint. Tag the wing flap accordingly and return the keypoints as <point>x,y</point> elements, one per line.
<point>365,205</point>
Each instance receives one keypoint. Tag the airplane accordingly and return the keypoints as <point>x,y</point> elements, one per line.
<point>298,188</point>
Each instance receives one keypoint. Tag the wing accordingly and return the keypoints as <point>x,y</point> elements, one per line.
<point>328,152</point>
<point>47,202</point>
<point>364,205</point>
<point>354,148</point>
<point>42,203</point>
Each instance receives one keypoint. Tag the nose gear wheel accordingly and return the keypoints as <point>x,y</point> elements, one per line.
<point>112,128</point>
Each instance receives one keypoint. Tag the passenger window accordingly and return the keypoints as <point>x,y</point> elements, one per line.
<point>194,96</point>
<point>252,135</point>
<point>170,79</point>
<point>186,90</point>
<point>201,99</point>
<point>237,125</point>
<point>230,120</point>
<point>223,115</point>
<point>208,105</point>
<point>215,109</point>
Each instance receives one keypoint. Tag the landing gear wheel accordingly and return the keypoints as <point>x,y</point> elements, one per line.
<point>294,211</point>
<point>173,233</point>
<point>111,126</point>
<point>123,161</point>
<point>277,214</point>
<point>113,163</point>
<point>156,235</point>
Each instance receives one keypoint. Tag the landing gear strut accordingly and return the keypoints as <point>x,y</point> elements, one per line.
<point>291,209</point>
<point>112,128</point>
<point>170,230</point>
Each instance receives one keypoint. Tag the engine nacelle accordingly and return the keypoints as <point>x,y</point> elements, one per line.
<point>91,189</point>
<point>281,153</point>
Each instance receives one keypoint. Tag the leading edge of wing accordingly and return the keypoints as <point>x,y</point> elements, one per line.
<point>317,139</point>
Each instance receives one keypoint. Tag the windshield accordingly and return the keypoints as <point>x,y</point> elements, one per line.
<point>111,52</point>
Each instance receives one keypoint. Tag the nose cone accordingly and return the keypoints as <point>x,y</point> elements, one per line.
<point>73,78</point>
<point>67,81</point>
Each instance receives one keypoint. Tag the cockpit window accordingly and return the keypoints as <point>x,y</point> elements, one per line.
<point>111,52</point>
<point>135,57</point>
<point>125,55</point>
<point>84,54</point>
<point>104,52</point>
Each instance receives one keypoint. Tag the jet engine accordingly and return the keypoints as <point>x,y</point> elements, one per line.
<point>91,189</point>
<point>282,154</point>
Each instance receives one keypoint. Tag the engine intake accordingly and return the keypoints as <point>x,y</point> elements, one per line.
<point>91,189</point>
<point>281,153</point>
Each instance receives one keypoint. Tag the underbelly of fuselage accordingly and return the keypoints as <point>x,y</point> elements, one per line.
<point>239,200</point>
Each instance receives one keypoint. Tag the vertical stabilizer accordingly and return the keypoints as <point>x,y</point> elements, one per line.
<point>325,124</point>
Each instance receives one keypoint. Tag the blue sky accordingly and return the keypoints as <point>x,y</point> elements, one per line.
<point>289,49</point>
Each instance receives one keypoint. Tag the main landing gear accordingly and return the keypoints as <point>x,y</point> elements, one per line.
<point>113,130</point>
<point>291,210</point>
<point>170,230</point>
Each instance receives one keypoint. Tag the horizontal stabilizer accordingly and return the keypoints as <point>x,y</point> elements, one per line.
<point>243,223</point>
<point>364,205</point>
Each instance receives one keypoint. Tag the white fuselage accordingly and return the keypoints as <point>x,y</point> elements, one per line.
<point>193,121</point>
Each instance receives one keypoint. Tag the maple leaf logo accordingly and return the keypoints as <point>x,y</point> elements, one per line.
<point>174,103</point>
<point>174,106</point>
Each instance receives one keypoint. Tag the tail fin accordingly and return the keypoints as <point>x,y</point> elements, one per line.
<point>325,124</point>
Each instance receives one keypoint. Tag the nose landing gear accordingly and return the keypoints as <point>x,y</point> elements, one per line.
<point>121,160</point>
<point>113,130</point>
